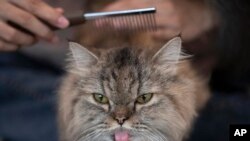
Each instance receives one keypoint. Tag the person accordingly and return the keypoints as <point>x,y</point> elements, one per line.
<point>28,14</point>
<point>26,83</point>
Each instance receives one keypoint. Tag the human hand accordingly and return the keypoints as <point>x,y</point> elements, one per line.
<point>28,15</point>
<point>173,17</point>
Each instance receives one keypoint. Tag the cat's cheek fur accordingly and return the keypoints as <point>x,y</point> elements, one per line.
<point>111,123</point>
<point>161,114</point>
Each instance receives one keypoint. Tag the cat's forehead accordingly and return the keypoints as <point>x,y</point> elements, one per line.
<point>128,64</point>
<point>123,63</point>
<point>122,57</point>
<point>120,72</point>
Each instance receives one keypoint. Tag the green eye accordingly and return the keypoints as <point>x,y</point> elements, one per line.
<point>144,98</point>
<point>100,98</point>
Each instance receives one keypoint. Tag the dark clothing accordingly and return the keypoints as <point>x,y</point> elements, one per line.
<point>233,39</point>
<point>27,99</point>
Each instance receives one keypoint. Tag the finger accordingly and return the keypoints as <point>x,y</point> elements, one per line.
<point>5,46</point>
<point>12,35</point>
<point>26,20</point>
<point>43,11</point>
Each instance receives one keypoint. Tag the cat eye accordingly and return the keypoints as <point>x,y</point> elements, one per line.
<point>100,98</point>
<point>144,98</point>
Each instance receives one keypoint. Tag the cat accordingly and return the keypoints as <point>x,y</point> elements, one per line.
<point>128,94</point>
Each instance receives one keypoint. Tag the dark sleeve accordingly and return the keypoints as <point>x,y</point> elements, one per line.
<point>234,33</point>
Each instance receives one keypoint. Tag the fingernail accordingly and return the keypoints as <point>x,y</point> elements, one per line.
<point>63,22</point>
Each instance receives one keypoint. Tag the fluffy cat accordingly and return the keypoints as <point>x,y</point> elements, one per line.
<point>126,94</point>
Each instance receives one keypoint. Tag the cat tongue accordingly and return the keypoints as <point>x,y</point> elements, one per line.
<point>121,136</point>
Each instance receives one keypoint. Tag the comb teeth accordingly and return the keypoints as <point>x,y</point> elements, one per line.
<point>137,20</point>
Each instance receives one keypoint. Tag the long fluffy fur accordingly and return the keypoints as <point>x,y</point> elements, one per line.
<point>121,74</point>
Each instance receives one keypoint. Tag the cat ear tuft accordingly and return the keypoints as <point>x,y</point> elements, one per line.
<point>170,52</point>
<point>82,57</point>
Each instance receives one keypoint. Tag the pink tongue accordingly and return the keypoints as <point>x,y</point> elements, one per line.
<point>121,136</point>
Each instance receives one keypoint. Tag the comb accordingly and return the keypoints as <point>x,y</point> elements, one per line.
<point>127,20</point>
<point>134,20</point>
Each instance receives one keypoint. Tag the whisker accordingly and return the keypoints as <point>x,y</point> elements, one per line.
<point>89,131</point>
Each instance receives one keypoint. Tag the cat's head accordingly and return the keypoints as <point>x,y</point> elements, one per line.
<point>127,95</point>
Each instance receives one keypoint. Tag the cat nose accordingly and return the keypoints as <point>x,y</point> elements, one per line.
<point>121,114</point>
<point>120,120</point>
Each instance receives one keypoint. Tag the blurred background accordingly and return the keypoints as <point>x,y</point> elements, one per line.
<point>216,32</point>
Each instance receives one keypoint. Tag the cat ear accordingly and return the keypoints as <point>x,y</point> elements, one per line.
<point>82,58</point>
<point>170,52</point>
<point>169,56</point>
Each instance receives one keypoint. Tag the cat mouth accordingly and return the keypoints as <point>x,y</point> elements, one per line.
<point>121,135</point>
